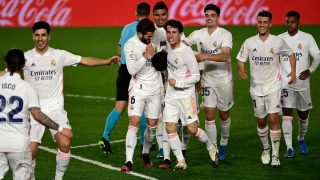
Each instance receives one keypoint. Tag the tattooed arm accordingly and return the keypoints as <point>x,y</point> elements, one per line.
<point>43,119</point>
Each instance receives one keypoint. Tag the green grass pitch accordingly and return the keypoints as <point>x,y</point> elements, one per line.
<point>87,117</point>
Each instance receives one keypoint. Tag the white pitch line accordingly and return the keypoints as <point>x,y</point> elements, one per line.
<point>96,144</point>
<point>97,163</point>
<point>90,97</point>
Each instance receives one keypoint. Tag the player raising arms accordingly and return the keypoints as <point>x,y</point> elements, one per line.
<point>214,44</point>
<point>180,101</point>
<point>17,99</point>
<point>144,91</point>
<point>263,51</point>
<point>297,95</point>
<point>44,70</point>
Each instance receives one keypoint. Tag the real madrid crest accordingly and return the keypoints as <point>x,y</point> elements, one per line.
<point>176,61</point>
<point>53,63</point>
<point>299,46</point>
<point>214,43</point>
<point>271,50</point>
<point>131,107</point>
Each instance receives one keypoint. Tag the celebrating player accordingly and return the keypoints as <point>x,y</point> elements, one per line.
<point>297,95</point>
<point>44,70</point>
<point>17,99</point>
<point>263,51</point>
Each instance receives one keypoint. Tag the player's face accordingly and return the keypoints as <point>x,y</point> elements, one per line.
<point>173,36</point>
<point>292,24</point>
<point>145,38</point>
<point>264,25</point>
<point>41,39</point>
<point>160,17</point>
<point>211,18</point>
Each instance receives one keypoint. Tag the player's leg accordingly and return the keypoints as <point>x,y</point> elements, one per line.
<point>4,166</point>
<point>166,151</point>
<point>185,140</point>
<point>210,104</point>
<point>20,163</point>
<point>288,101</point>
<point>304,103</point>
<point>159,137</point>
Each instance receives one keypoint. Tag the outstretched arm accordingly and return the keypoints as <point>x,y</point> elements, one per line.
<point>91,61</point>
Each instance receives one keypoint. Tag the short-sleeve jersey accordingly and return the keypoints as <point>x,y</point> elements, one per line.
<point>144,77</point>
<point>45,73</point>
<point>303,45</point>
<point>215,73</point>
<point>265,70</point>
<point>127,32</point>
<point>182,66</point>
<point>16,97</point>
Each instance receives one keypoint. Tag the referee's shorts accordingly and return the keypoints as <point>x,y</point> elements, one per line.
<point>123,81</point>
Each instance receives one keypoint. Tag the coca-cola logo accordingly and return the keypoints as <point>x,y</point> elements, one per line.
<point>26,12</point>
<point>232,11</point>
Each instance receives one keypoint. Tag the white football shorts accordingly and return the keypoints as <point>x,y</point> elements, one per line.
<point>296,99</point>
<point>264,105</point>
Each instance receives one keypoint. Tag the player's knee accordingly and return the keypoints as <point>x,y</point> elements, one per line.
<point>224,115</point>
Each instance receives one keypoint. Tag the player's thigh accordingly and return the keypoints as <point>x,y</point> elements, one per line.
<point>153,106</point>
<point>36,131</point>
<point>288,98</point>
<point>171,111</point>
<point>60,117</point>
<point>136,104</point>
<point>20,163</point>
<point>188,110</point>
<point>209,97</point>
<point>224,96</point>
<point>273,102</point>
<point>259,107</point>
<point>4,166</point>
<point>304,102</point>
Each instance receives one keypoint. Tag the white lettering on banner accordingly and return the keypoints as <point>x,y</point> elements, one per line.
<point>232,11</point>
<point>26,12</point>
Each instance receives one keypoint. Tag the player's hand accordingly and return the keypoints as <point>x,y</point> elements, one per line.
<point>114,59</point>
<point>305,74</point>
<point>198,86</point>
<point>243,74</point>
<point>149,51</point>
<point>172,82</point>
<point>293,78</point>
<point>201,57</point>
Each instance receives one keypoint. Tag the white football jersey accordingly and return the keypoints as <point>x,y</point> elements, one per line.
<point>144,77</point>
<point>16,97</point>
<point>182,66</point>
<point>215,73</point>
<point>265,70</point>
<point>303,45</point>
<point>45,73</point>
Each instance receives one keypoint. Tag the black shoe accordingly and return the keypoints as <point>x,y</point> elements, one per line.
<point>105,146</point>
<point>166,164</point>
<point>146,160</point>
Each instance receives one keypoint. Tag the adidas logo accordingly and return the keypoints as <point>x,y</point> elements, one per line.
<point>189,117</point>
<point>254,50</point>
<point>278,106</point>
<point>33,65</point>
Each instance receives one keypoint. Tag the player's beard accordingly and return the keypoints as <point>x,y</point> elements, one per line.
<point>146,41</point>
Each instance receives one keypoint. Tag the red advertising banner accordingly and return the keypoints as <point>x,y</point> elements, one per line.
<point>83,13</point>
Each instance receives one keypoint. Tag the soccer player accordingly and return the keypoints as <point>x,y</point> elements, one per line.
<point>123,79</point>
<point>17,99</point>
<point>44,70</point>
<point>144,91</point>
<point>297,95</point>
<point>180,99</point>
<point>263,51</point>
<point>214,45</point>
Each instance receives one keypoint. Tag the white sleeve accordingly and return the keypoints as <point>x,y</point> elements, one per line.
<point>191,39</point>
<point>284,48</point>
<point>243,54</point>
<point>315,53</point>
<point>33,98</point>
<point>69,59</point>
<point>191,62</point>
<point>134,58</point>
<point>227,40</point>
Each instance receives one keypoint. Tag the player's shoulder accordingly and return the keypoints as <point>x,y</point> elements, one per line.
<point>224,31</point>
<point>130,26</point>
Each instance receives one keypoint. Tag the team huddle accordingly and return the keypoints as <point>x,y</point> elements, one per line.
<point>159,81</point>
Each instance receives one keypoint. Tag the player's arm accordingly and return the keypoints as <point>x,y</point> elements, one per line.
<point>43,119</point>
<point>315,53</point>
<point>221,57</point>
<point>241,68</point>
<point>292,74</point>
<point>91,61</point>
<point>136,60</point>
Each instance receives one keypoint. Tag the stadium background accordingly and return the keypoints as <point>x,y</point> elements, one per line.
<point>92,28</point>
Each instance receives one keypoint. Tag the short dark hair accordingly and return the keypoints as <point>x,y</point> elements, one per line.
<point>265,13</point>
<point>294,14</point>
<point>143,9</point>
<point>212,7</point>
<point>15,60</point>
<point>175,24</point>
<point>145,25</point>
<point>41,25</point>
<point>160,5</point>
